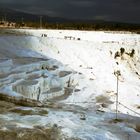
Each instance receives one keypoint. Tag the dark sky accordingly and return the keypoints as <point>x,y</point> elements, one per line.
<point>110,10</point>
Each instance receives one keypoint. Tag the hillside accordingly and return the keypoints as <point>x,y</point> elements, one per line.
<point>67,78</point>
<point>48,22</point>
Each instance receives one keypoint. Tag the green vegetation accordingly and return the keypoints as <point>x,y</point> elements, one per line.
<point>107,26</point>
<point>117,54</point>
<point>122,50</point>
<point>132,53</point>
<point>101,26</point>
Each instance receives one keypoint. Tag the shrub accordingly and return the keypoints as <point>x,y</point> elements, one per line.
<point>122,50</point>
<point>132,53</point>
<point>117,54</point>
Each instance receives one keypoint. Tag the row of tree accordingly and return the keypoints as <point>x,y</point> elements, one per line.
<point>85,26</point>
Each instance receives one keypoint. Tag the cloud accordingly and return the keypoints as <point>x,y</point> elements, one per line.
<point>116,10</point>
<point>81,3</point>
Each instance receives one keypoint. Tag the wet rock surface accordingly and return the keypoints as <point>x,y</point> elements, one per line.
<point>51,90</point>
<point>36,133</point>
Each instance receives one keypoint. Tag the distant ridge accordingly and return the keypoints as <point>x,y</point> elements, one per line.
<point>17,16</point>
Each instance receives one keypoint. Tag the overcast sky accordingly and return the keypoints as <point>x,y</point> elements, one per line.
<point>110,10</point>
